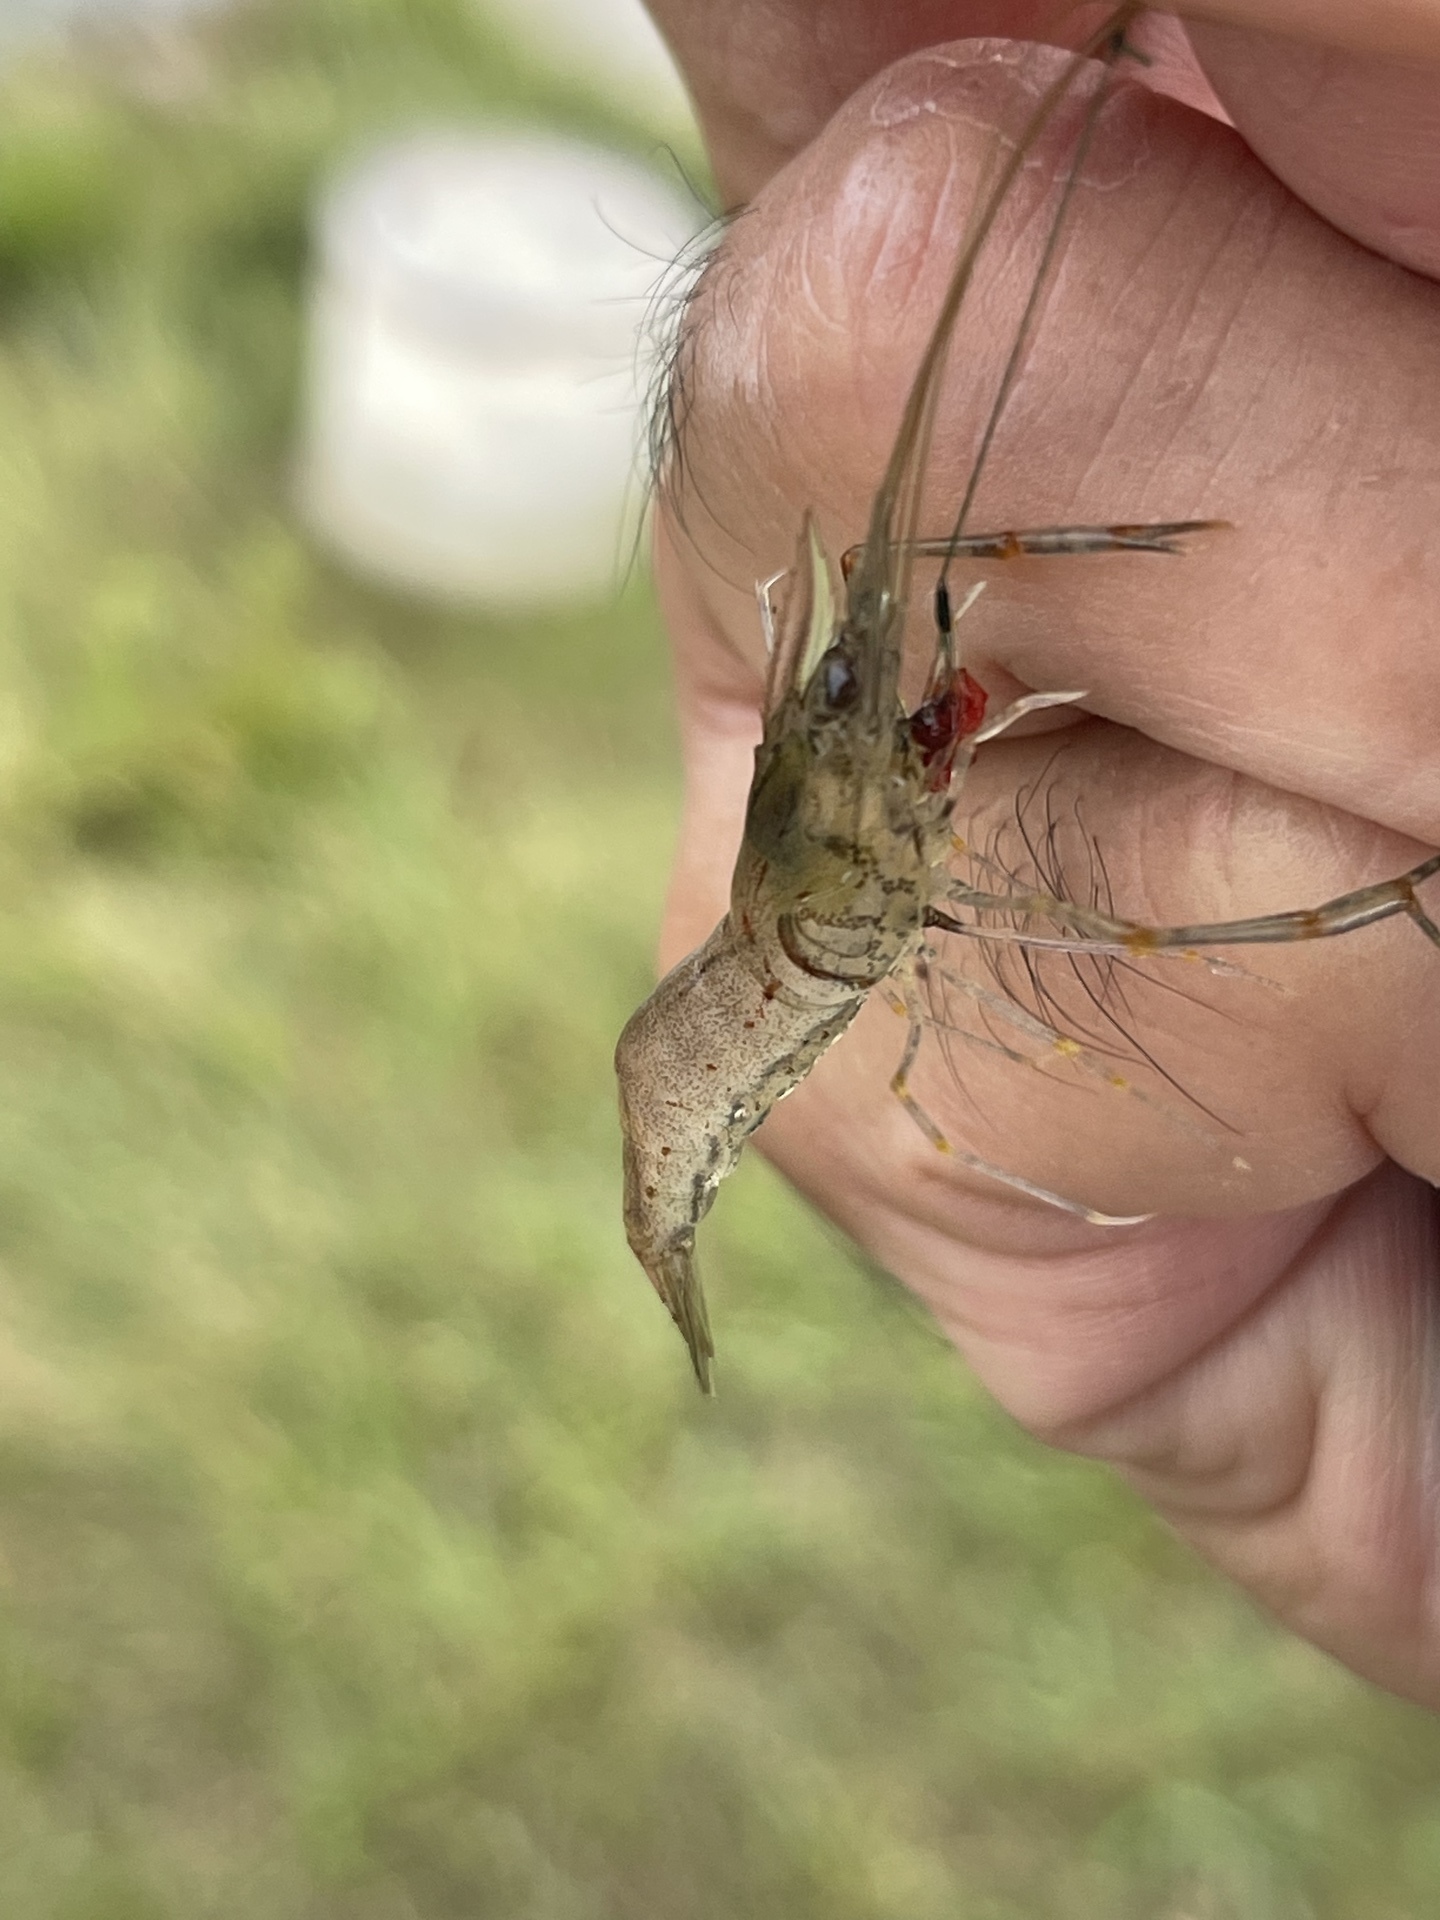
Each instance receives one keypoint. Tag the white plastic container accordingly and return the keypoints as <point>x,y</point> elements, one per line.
<point>476,377</point>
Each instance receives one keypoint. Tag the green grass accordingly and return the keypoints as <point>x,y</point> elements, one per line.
<point>365,1552</point>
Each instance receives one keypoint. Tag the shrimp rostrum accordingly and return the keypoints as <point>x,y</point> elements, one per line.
<point>843,872</point>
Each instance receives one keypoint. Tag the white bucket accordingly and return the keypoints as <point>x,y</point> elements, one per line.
<point>476,376</point>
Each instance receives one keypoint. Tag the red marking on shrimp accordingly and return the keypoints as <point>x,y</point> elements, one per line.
<point>942,721</point>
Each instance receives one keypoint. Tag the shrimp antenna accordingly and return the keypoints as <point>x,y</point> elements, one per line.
<point>1113,45</point>
<point>876,585</point>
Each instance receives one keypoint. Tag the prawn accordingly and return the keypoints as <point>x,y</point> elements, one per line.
<point>843,869</point>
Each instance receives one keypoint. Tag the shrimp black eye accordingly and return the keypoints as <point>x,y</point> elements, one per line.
<point>839,682</point>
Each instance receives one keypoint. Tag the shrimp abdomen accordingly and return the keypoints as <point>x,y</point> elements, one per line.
<point>700,1064</point>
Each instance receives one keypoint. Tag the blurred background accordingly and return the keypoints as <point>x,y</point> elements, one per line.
<point>365,1551</point>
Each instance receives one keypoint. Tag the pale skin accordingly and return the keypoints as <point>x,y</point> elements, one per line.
<point>1259,730</point>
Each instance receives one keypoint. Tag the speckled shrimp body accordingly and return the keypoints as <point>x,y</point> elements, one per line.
<point>847,833</point>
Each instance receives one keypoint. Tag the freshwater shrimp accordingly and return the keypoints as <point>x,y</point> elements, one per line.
<point>845,847</point>
<point>843,871</point>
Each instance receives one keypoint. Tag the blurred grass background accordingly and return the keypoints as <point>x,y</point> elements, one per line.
<point>364,1548</point>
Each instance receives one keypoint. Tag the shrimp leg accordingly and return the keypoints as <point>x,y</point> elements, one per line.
<point>1161,536</point>
<point>1098,932</point>
<point>900,1087</point>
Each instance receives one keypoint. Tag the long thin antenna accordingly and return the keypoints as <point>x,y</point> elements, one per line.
<point>1114,49</point>
<point>872,580</point>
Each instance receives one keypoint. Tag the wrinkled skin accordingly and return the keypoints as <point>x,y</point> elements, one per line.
<point>1259,1362</point>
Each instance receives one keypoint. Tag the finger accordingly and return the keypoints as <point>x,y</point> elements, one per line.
<point>1208,349</point>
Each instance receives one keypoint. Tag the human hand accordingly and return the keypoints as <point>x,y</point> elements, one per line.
<point>1259,1361</point>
